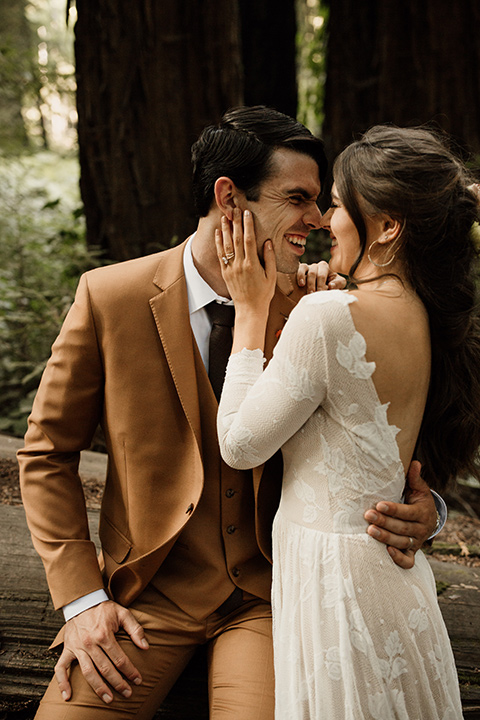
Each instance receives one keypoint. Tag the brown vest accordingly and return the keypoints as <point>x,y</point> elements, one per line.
<point>217,549</point>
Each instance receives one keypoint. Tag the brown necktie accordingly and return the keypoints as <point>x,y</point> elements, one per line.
<point>222,317</point>
<point>220,346</point>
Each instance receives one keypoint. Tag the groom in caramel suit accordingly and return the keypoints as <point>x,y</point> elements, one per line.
<point>185,539</point>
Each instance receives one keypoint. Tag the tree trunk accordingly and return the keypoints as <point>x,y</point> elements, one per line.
<point>409,62</point>
<point>150,76</point>
<point>269,53</point>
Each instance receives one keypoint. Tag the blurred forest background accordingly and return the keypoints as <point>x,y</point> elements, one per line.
<point>100,101</point>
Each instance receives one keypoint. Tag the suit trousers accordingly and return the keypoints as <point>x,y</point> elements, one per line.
<point>240,664</point>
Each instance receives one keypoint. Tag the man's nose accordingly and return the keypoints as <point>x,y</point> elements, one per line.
<point>325,222</point>
<point>313,218</point>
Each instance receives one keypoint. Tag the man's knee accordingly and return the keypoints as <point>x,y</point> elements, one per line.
<point>241,680</point>
<point>159,672</point>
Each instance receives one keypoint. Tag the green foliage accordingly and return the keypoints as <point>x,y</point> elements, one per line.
<point>17,73</point>
<point>37,76</point>
<point>441,587</point>
<point>312,16</point>
<point>49,109</point>
<point>318,247</point>
<point>42,254</point>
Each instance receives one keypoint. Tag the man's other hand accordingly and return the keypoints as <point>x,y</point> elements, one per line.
<point>404,527</point>
<point>90,640</point>
<point>318,276</point>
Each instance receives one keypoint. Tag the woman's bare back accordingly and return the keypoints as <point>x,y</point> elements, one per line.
<point>394,323</point>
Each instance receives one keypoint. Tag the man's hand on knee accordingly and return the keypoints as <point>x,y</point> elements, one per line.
<point>90,640</point>
<point>404,527</point>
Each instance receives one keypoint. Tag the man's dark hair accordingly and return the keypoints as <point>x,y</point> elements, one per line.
<point>241,146</point>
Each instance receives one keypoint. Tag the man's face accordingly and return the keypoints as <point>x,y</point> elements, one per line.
<point>286,210</point>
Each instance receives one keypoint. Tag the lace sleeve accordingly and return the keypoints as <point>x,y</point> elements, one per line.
<point>259,411</point>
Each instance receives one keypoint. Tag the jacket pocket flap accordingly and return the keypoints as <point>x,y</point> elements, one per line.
<point>113,541</point>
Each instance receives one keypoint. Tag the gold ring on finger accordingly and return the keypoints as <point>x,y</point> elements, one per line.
<point>411,543</point>
<point>230,255</point>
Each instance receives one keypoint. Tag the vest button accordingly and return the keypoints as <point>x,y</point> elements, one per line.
<point>235,572</point>
<point>229,493</point>
<point>231,529</point>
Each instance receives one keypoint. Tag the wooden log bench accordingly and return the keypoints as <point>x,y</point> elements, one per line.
<point>28,624</point>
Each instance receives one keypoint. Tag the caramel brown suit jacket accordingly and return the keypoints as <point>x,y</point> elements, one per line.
<point>125,358</point>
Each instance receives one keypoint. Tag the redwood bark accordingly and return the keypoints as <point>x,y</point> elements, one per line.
<point>268,31</point>
<point>409,62</point>
<point>150,76</point>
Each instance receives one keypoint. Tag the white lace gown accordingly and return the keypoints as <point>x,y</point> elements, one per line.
<point>355,636</point>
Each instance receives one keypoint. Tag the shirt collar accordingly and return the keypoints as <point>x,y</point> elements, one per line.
<point>199,292</point>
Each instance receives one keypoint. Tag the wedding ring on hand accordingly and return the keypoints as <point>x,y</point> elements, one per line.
<point>227,257</point>
<point>411,543</point>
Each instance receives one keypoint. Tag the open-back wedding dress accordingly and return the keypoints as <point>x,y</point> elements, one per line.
<point>355,636</point>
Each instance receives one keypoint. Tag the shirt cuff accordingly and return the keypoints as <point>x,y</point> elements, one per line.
<point>442,513</point>
<point>84,603</point>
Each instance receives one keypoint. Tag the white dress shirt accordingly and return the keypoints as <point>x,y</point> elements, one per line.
<point>200,294</point>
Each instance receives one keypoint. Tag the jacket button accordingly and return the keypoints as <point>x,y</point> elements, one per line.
<point>229,493</point>
<point>235,572</point>
<point>189,509</point>
<point>231,529</point>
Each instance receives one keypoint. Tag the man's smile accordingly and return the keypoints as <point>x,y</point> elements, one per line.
<point>298,242</point>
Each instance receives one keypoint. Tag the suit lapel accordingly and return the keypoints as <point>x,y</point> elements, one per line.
<point>170,310</point>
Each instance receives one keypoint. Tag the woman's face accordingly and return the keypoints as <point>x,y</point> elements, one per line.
<point>345,248</point>
<point>345,238</point>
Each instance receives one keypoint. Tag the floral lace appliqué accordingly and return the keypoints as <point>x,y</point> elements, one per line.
<point>244,448</point>
<point>377,439</point>
<point>352,357</point>
<point>418,617</point>
<point>298,382</point>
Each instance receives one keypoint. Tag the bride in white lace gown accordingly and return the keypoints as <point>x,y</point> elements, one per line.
<point>355,636</point>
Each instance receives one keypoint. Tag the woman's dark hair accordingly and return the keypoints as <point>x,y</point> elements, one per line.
<point>412,176</point>
<point>240,147</point>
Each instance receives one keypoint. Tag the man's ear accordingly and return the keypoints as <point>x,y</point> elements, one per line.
<point>226,195</point>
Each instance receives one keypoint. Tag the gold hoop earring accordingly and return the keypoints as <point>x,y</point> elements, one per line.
<point>379,265</point>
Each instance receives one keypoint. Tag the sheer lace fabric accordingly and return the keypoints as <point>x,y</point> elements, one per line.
<point>355,636</point>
